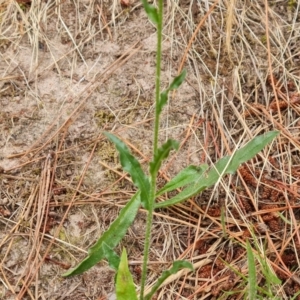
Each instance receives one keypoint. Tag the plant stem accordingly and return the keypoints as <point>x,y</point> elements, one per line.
<point>157,83</point>
<point>155,148</point>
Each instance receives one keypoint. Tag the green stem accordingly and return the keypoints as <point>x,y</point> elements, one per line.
<point>155,147</point>
<point>147,246</point>
<point>157,83</point>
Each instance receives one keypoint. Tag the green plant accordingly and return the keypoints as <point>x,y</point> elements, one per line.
<point>192,179</point>
<point>249,283</point>
<point>271,280</point>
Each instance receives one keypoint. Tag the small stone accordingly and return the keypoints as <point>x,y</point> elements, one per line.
<point>68,172</point>
<point>4,201</point>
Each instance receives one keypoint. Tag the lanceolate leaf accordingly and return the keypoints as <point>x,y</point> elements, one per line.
<point>119,227</point>
<point>183,178</point>
<point>125,289</point>
<point>251,273</point>
<point>187,193</point>
<point>177,81</point>
<point>111,256</point>
<point>151,12</point>
<point>131,165</point>
<point>227,164</point>
<point>177,266</point>
<point>250,150</point>
<point>110,238</point>
<point>162,153</point>
<point>268,273</point>
<point>163,99</point>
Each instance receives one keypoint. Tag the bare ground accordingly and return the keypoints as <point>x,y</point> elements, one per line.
<point>71,69</point>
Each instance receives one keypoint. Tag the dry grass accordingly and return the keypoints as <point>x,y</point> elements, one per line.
<point>70,69</point>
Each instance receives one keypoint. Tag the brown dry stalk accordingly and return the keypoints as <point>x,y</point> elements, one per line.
<point>41,214</point>
<point>187,49</point>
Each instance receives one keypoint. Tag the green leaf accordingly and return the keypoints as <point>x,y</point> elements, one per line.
<point>202,182</point>
<point>119,227</point>
<point>162,153</point>
<point>151,12</point>
<point>110,238</point>
<point>131,165</point>
<point>250,150</point>
<point>177,81</point>
<point>125,289</point>
<point>177,266</point>
<point>111,256</point>
<point>227,164</point>
<point>187,193</point>
<point>251,273</point>
<point>273,278</point>
<point>270,277</point>
<point>163,99</point>
<point>183,178</point>
<point>295,296</point>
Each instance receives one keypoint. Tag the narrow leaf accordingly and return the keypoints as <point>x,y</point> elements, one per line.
<point>163,99</point>
<point>119,227</point>
<point>187,193</point>
<point>131,165</point>
<point>162,153</point>
<point>177,266</point>
<point>125,289</point>
<point>111,256</point>
<point>250,150</point>
<point>183,178</point>
<point>251,272</point>
<point>110,238</point>
<point>267,271</point>
<point>227,164</point>
<point>151,12</point>
<point>203,182</point>
<point>295,296</point>
<point>271,278</point>
<point>177,81</point>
